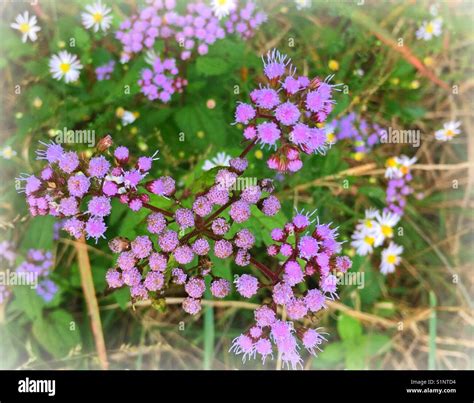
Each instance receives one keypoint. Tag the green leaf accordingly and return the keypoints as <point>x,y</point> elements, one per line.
<point>374,344</point>
<point>204,181</point>
<point>26,300</point>
<point>372,278</point>
<point>194,118</point>
<point>355,358</point>
<point>349,329</point>
<point>122,297</point>
<point>332,354</point>
<point>8,349</point>
<point>131,222</point>
<point>211,66</point>
<point>221,268</point>
<point>57,333</point>
<point>39,234</point>
<point>82,38</point>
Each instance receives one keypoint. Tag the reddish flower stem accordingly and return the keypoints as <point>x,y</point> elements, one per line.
<point>158,210</point>
<point>248,148</point>
<point>219,210</point>
<point>265,270</point>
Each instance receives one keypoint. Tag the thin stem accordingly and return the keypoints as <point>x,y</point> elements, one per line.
<point>91,300</point>
<point>248,148</point>
<point>265,270</point>
<point>219,210</point>
<point>158,210</point>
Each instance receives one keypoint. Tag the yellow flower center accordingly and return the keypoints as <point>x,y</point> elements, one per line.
<point>392,162</point>
<point>391,259</point>
<point>333,65</point>
<point>369,224</point>
<point>429,28</point>
<point>222,2</point>
<point>449,133</point>
<point>97,17</point>
<point>25,27</point>
<point>404,170</point>
<point>330,137</point>
<point>119,112</point>
<point>7,153</point>
<point>369,240</point>
<point>64,67</point>
<point>359,156</point>
<point>387,231</point>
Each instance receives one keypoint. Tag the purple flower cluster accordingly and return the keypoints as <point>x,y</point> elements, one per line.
<point>309,254</point>
<point>245,22</point>
<point>78,190</point>
<point>398,189</point>
<point>194,30</point>
<point>39,263</point>
<point>162,81</point>
<point>285,113</point>
<point>187,235</point>
<point>141,31</point>
<point>182,35</point>
<point>362,134</point>
<point>105,71</point>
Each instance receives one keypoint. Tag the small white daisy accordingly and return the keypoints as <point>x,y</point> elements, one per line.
<point>398,167</point>
<point>301,4</point>
<point>7,152</point>
<point>329,130</point>
<point>390,258</point>
<point>222,8</point>
<point>392,168</point>
<point>221,160</point>
<point>97,17</point>
<point>27,26</point>
<point>363,241</point>
<point>370,222</point>
<point>449,130</point>
<point>386,222</point>
<point>429,29</point>
<point>66,65</point>
<point>405,164</point>
<point>128,118</point>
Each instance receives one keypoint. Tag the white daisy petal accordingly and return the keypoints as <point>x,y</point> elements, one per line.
<point>97,17</point>
<point>65,65</point>
<point>27,26</point>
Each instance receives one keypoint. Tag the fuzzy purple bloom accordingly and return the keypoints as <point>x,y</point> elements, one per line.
<point>220,288</point>
<point>246,285</point>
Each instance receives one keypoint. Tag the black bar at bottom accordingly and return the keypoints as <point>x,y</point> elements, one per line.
<point>241,386</point>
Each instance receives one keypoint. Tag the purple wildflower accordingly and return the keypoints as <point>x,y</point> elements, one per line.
<point>222,249</point>
<point>220,288</point>
<point>246,285</point>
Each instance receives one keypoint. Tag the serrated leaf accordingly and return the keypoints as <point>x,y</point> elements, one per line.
<point>349,329</point>
<point>212,66</point>
<point>57,333</point>
<point>26,300</point>
<point>374,344</point>
<point>39,234</point>
<point>122,297</point>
